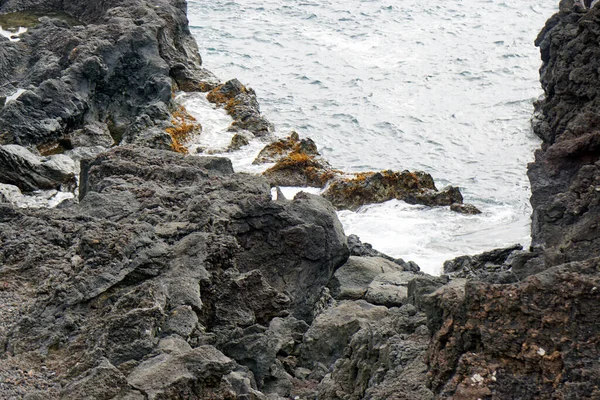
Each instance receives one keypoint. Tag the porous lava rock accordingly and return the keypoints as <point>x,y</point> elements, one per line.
<point>353,191</point>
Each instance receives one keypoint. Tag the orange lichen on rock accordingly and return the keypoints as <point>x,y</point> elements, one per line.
<point>354,190</point>
<point>184,126</point>
<point>300,169</point>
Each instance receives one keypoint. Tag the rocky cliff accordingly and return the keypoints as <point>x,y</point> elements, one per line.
<point>174,277</point>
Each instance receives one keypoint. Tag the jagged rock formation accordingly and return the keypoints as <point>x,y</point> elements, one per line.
<point>163,262</point>
<point>174,277</point>
<point>116,68</point>
<point>535,338</point>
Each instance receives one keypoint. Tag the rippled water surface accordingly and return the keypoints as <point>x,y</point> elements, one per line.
<point>444,87</point>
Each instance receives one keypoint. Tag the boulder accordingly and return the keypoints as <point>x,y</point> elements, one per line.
<point>382,360</point>
<point>353,191</point>
<point>360,249</point>
<point>351,281</point>
<point>330,333</point>
<point>21,168</point>
<point>240,102</point>
<point>490,265</point>
<point>300,169</point>
<point>279,149</point>
<point>389,289</point>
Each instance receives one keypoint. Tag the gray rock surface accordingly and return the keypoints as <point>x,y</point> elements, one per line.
<point>29,172</point>
<point>351,281</point>
<point>114,67</point>
<point>163,245</point>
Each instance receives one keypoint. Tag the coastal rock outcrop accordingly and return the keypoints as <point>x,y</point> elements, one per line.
<point>240,102</point>
<point>112,64</point>
<point>160,245</point>
<point>565,177</point>
<point>352,191</point>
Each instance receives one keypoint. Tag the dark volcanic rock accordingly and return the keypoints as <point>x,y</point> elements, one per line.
<point>300,169</point>
<point>351,192</point>
<point>279,149</point>
<point>161,245</point>
<point>115,68</point>
<point>537,339</point>
<point>565,177</point>
<point>494,265</point>
<point>358,248</point>
<point>240,102</point>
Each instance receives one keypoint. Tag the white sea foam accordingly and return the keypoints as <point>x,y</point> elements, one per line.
<point>215,137</point>
<point>444,87</point>
<point>12,34</point>
<point>15,95</point>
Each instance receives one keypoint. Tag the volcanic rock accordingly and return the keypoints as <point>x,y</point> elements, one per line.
<point>21,168</point>
<point>273,152</point>
<point>354,191</point>
<point>240,102</point>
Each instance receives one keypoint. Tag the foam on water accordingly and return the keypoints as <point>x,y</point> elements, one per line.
<point>13,35</point>
<point>443,87</point>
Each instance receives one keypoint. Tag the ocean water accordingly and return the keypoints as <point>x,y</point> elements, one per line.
<point>443,87</point>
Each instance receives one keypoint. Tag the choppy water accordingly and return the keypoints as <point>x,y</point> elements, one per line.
<point>444,87</point>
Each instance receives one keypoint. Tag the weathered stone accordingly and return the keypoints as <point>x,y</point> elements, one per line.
<point>21,168</point>
<point>360,249</point>
<point>194,373</point>
<point>389,289</point>
<point>332,330</point>
<point>383,360</point>
<point>300,169</point>
<point>351,280</point>
<point>240,102</point>
<point>351,192</point>
<point>277,150</point>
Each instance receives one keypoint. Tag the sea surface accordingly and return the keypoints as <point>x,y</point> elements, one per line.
<point>444,87</point>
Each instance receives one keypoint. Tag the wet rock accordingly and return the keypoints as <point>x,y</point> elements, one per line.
<point>275,151</point>
<point>237,142</point>
<point>300,169</point>
<point>193,80</point>
<point>351,281</point>
<point>352,191</point>
<point>240,102</point>
<point>21,168</point>
<point>468,209</point>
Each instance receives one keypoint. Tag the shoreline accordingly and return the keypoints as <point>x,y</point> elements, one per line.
<point>174,276</point>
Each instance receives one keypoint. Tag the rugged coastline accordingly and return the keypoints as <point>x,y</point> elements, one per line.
<point>172,276</point>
